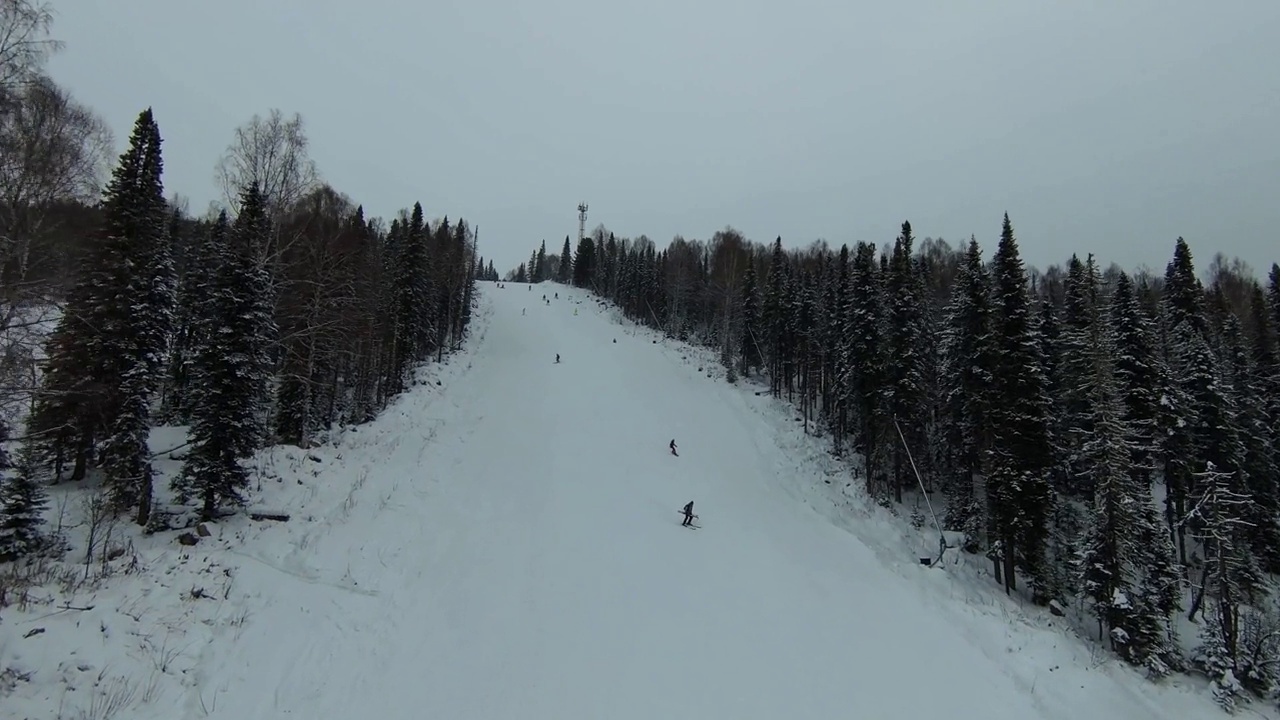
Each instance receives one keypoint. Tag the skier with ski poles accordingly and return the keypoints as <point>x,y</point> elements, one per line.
<point>688,514</point>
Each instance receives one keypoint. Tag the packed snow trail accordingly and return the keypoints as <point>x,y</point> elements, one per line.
<point>511,548</point>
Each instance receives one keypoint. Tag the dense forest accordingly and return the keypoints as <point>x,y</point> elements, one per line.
<point>1105,440</point>
<point>280,314</point>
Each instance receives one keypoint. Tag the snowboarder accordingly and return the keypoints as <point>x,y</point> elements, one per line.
<point>688,514</point>
<point>673,448</point>
<point>557,358</point>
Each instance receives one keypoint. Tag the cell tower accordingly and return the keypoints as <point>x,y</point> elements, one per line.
<point>582,221</point>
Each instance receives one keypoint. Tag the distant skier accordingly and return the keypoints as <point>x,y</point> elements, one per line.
<point>557,358</point>
<point>522,311</point>
<point>673,448</point>
<point>557,296</point>
<point>688,514</point>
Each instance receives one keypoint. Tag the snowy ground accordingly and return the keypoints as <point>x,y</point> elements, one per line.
<point>504,542</point>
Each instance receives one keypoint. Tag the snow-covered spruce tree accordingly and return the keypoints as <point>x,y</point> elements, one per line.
<point>1126,564</point>
<point>1265,352</point>
<point>804,330</point>
<point>1076,374</point>
<point>184,254</point>
<point>1137,377</point>
<point>1185,332</point>
<point>748,345</point>
<point>866,317</point>
<point>968,357</point>
<point>838,310</point>
<point>905,382</point>
<point>774,316</point>
<point>1065,510</point>
<point>1108,560</point>
<point>1138,381</point>
<point>1019,491</point>
<point>1183,295</point>
<point>413,296</point>
<point>137,233</point>
<point>584,262</point>
<point>835,271</point>
<point>230,366</point>
<point>1228,580</point>
<point>22,502</point>
<point>565,274</point>
<point>1249,395</point>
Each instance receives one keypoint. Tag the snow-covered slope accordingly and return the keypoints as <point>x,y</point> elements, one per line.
<point>505,542</point>
<point>514,550</point>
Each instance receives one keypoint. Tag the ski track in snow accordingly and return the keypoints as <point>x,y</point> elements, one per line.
<point>504,542</point>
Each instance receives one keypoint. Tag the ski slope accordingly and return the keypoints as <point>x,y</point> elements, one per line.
<point>507,544</point>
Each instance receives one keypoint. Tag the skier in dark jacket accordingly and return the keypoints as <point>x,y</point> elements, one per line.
<point>673,448</point>
<point>688,514</point>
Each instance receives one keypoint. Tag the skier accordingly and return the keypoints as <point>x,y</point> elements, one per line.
<point>522,311</point>
<point>557,296</point>
<point>688,514</point>
<point>557,357</point>
<point>673,448</point>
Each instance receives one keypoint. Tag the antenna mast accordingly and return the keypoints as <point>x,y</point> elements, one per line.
<point>582,221</point>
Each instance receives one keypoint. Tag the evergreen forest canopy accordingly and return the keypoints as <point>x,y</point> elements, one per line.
<point>271,320</point>
<point>1101,438</point>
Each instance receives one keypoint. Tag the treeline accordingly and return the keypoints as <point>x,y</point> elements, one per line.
<point>273,319</point>
<point>1109,440</point>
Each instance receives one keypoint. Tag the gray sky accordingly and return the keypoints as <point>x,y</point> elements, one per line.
<point>1107,127</point>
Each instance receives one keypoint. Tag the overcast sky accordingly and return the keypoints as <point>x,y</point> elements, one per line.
<point>1107,127</point>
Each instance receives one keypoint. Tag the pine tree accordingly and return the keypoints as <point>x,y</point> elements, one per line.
<point>22,502</point>
<point>1249,396</point>
<point>905,389</point>
<point>566,263</point>
<point>1229,577</point>
<point>1183,292</point>
<point>865,316</point>
<point>775,314</point>
<point>1137,377</point>
<point>137,229</point>
<point>1076,374</point>
<point>1159,595</point>
<point>229,365</point>
<point>1189,386</point>
<point>584,263</point>
<point>748,345</point>
<point>1109,555</point>
<point>105,354</point>
<point>413,295</point>
<point>1020,495</point>
<point>969,360</point>
<point>219,421</point>
<point>841,373</point>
